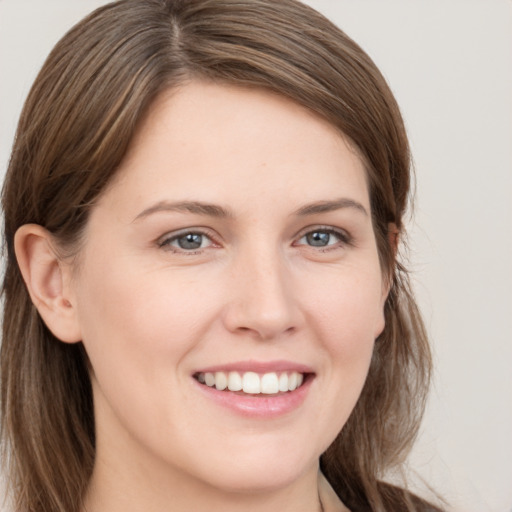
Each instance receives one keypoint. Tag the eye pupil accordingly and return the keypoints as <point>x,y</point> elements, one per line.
<point>318,238</point>
<point>190,241</point>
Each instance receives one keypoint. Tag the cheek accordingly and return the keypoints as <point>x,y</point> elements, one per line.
<point>345,314</point>
<point>349,309</point>
<point>138,328</point>
<point>138,319</point>
<point>348,318</point>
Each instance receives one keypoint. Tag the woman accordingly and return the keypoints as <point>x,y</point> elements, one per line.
<point>203,305</point>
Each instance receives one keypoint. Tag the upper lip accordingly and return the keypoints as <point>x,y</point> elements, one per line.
<point>258,367</point>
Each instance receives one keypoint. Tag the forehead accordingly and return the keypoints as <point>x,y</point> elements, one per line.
<point>202,138</point>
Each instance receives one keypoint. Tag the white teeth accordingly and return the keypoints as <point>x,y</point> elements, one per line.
<point>269,383</point>
<point>221,381</point>
<point>209,379</point>
<point>292,381</point>
<point>234,381</point>
<point>252,383</point>
<point>283,382</point>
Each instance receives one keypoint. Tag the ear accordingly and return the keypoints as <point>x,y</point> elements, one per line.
<point>47,278</point>
<point>393,239</point>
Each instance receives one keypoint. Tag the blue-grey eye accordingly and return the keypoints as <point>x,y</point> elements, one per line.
<point>321,238</point>
<point>186,241</point>
<point>190,241</point>
<point>318,238</point>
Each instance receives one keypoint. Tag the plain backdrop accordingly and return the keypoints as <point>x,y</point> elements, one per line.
<point>450,65</point>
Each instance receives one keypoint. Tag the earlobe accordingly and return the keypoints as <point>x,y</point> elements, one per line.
<point>46,277</point>
<point>393,240</point>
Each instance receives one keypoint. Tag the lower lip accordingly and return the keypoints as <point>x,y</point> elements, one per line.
<point>259,406</point>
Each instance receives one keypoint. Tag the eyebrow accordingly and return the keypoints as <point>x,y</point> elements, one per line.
<point>329,206</point>
<point>213,210</point>
<point>197,207</point>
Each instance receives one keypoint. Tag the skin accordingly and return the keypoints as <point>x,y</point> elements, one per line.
<point>151,313</point>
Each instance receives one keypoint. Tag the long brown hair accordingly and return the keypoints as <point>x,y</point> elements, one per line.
<point>76,126</point>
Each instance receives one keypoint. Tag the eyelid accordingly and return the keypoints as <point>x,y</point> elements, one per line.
<point>164,241</point>
<point>345,237</point>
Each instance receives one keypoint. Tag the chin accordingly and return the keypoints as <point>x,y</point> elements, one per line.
<point>254,472</point>
<point>258,479</point>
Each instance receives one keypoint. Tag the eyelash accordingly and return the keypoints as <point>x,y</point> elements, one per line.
<point>344,239</point>
<point>166,241</point>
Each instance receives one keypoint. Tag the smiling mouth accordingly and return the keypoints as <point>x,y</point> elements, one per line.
<point>252,383</point>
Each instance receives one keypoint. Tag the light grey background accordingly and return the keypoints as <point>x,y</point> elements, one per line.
<point>450,65</point>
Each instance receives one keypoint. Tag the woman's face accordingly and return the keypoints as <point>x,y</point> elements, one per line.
<point>234,248</point>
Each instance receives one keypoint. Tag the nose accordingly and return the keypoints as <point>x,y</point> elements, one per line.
<point>261,301</point>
